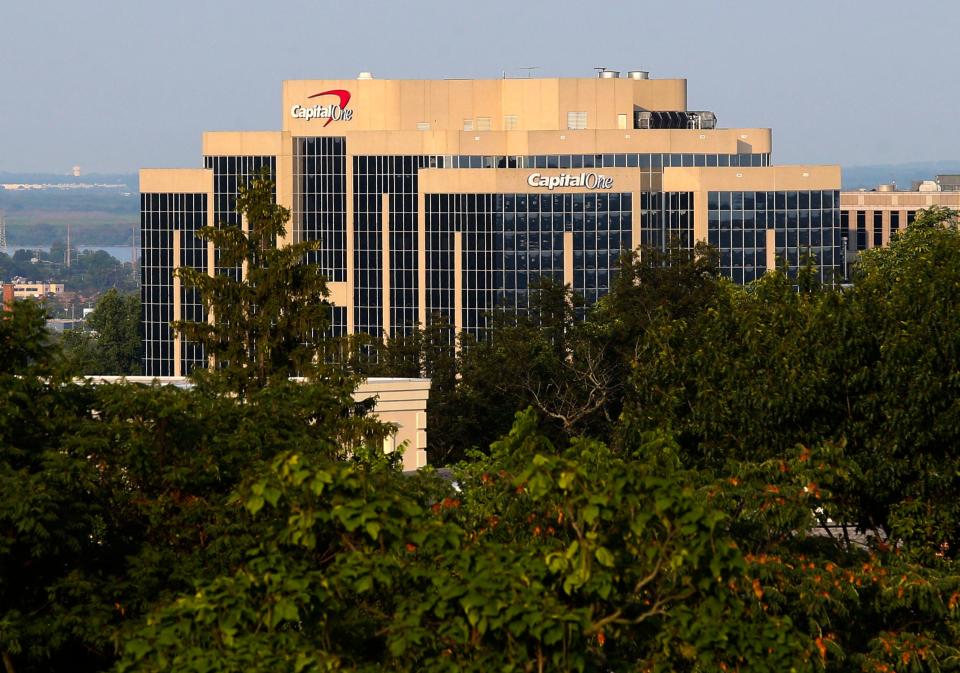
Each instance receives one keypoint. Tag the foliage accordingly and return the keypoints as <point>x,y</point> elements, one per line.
<point>266,325</point>
<point>90,272</point>
<point>706,478</point>
<point>111,341</point>
<point>565,559</point>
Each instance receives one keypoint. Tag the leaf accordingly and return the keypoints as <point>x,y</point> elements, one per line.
<point>605,557</point>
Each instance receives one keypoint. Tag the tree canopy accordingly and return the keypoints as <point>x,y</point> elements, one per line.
<point>690,476</point>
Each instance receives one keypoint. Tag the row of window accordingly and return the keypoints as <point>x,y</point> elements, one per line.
<point>858,234</point>
<point>647,161</point>
<point>320,192</point>
<point>803,223</point>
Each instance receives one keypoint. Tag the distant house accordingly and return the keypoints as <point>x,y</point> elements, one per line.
<point>35,289</point>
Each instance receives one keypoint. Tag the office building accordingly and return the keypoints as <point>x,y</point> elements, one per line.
<point>447,199</point>
<point>870,218</point>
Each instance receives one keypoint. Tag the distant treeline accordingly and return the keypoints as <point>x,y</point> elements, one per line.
<point>69,200</point>
<point>97,216</point>
<point>92,232</point>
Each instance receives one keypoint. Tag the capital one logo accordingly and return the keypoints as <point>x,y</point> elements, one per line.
<point>332,112</point>
<point>587,180</point>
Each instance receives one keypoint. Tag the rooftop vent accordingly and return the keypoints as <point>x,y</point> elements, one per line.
<point>674,119</point>
<point>365,75</point>
<point>639,74</point>
<point>609,74</point>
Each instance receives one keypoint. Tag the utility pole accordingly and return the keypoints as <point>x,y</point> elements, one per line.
<point>133,248</point>
<point>68,244</point>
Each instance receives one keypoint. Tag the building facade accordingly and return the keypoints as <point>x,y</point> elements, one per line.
<point>870,218</point>
<point>28,289</point>
<point>447,199</point>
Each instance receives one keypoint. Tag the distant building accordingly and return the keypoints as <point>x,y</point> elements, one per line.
<point>949,183</point>
<point>36,289</point>
<point>870,218</point>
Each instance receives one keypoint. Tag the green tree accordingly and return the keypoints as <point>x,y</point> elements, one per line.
<point>905,421</point>
<point>115,346</point>
<point>268,324</point>
<point>562,558</point>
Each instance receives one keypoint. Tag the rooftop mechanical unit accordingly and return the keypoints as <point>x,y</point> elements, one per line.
<point>666,119</point>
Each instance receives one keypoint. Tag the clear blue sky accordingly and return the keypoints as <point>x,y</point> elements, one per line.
<point>114,85</point>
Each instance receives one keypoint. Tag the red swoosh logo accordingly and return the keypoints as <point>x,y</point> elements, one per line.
<point>342,94</point>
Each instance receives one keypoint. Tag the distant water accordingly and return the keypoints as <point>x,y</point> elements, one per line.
<point>121,252</point>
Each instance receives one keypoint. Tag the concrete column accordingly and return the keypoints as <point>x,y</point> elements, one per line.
<point>771,249</point>
<point>568,258</point>
<point>285,188</point>
<point>700,217</point>
<point>458,282</point>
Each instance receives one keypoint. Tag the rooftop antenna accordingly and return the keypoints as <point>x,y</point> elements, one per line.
<point>530,69</point>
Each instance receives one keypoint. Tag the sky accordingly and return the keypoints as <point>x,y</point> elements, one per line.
<point>115,85</point>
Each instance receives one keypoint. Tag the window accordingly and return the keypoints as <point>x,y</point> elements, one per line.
<point>423,126</point>
<point>861,230</point>
<point>483,123</point>
<point>510,122</point>
<point>894,221</point>
<point>877,228</point>
<point>576,120</point>
<point>621,121</point>
<point>467,124</point>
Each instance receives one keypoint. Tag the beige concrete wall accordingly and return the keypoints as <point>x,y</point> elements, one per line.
<point>404,402</point>
<point>769,178</point>
<point>898,200</point>
<point>537,103</point>
<point>176,181</point>
<point>507,180</point>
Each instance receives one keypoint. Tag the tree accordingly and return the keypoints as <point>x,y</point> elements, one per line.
<point>49,524</point>
<point>905,425</point>
<point>114,498</point>
<point>562,558</point>
<point>115,346</point>
<point>269,324</point>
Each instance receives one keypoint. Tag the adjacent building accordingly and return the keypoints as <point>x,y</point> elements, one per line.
<point>870,218</point>
<point>447,199</point>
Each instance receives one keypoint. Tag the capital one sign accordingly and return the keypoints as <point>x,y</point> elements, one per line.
<point>332,111</point>
<point>589,180</point>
